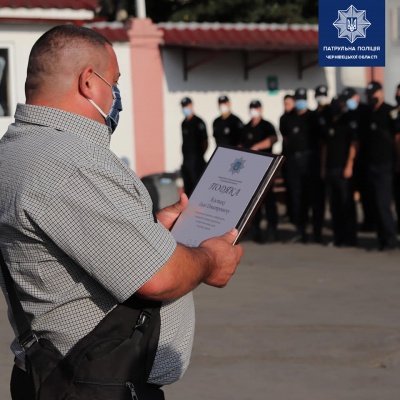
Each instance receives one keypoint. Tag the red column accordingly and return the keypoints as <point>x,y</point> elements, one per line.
<point>148,104</point>
<point>375,74</point>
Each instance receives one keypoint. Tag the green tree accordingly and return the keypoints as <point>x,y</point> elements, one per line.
<point>278,11</point>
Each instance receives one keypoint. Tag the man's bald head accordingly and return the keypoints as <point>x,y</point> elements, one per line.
<point>58,57</point>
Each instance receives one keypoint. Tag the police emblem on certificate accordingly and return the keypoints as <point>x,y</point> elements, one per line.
<point>227,195</point>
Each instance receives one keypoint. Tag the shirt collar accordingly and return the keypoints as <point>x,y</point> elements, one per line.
<point>88,129</point>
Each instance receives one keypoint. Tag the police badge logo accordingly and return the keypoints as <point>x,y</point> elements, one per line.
<point>351,24</point>
<point>237,165</point>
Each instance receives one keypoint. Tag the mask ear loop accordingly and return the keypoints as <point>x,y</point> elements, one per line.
<point>98,108</point>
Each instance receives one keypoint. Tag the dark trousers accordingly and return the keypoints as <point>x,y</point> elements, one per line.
<point>191,171</point>
<point>22,388</point>
<point>317,198</point>
<point>362,186</point>
<point>298,180</point>
<point>380,182</point>
<point>396,192</point>
<point>268,212</point>
<point>342,207</point>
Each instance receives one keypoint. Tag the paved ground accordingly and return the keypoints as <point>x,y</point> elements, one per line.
<point>297,322</point>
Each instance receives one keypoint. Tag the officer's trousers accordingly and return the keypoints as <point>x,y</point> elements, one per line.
<point>342,207</point>
<point>380,182</point>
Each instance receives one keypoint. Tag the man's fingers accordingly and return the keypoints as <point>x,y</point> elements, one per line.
<point>231,235</point>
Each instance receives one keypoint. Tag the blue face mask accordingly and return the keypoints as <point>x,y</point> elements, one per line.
<point>186,111</point>
<point>300,104</point>
<point>112,117</point>
<point>351,104</point>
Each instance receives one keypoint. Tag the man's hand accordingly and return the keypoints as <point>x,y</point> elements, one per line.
<point>224,258</point>
<point>168,215</point>
<point>213,263</point>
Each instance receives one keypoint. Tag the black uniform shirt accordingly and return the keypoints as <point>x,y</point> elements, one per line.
<point>194,134</point>
<point>338,136</point>
<point>254,134</point>
<point>228,130</point>
<point>378,138</point>
<point>357,121</point>
<point>323,119</point>
<point>299,133</point>
<point>395,115</point>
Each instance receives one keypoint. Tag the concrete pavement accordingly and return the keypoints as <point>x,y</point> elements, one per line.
<point>296,322</point>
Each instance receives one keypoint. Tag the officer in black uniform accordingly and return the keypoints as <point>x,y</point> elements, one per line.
<point>194,145</point>
<point>337,162</point>
<point>299,139</point>
<point>378,139</point>
<point>227,127</point>
<point>395,114</point>
<point>356,115</point>
<point>288,110</point>
<point>260,135</point>
<point>323,119</point>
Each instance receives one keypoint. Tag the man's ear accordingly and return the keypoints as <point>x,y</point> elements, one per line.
<point>86,82</point>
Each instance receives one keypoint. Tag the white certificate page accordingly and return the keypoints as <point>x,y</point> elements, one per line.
<point>221,196</point>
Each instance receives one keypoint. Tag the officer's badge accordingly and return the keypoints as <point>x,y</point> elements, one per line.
<point>296,130</point>
<point>394,114</point>
<point>353,124</point>
<point>374,126</point>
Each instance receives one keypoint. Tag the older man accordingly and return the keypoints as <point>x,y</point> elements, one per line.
<point>76,225</point>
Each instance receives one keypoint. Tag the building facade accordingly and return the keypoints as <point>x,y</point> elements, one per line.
<point>162,63</point>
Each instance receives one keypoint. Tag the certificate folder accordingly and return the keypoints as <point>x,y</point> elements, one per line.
<point>228,194</point>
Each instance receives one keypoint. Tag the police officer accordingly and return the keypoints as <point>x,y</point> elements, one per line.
<point>395,114</point>
<point>194,145</point>
<point>299,136</point>
<point>288,109</point>
<point>260,135</point>
<point>227,127</point>
<point>323,119</point>
<point>337,162</point>
<point>379,147</point>
<point>357,115</point>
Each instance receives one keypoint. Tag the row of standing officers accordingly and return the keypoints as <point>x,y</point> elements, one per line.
<point>342,147</point>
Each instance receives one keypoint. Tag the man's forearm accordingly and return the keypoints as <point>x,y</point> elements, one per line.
<point>185,270</point>
<point>213,263</point>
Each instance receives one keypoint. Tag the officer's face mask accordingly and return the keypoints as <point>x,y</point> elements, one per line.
<point>186,111</point>
<point>112,117</point>
<point>300,104</point>
<point>351,104</point>
<point>398,100</point>
<point>322,100</point>
<point>254,113</point>
<point>224,109</point>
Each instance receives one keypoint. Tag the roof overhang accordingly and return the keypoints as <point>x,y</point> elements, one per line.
<point>48,10</point>
<point>246,37</point>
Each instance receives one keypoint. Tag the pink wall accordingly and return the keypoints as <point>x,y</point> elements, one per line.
<point>148,107</point>
<point>375,74</point>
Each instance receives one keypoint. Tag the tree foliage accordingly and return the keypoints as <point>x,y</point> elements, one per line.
<point>271,11</point>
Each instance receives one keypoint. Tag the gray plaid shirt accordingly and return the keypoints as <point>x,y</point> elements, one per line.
<point>77,230</point>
